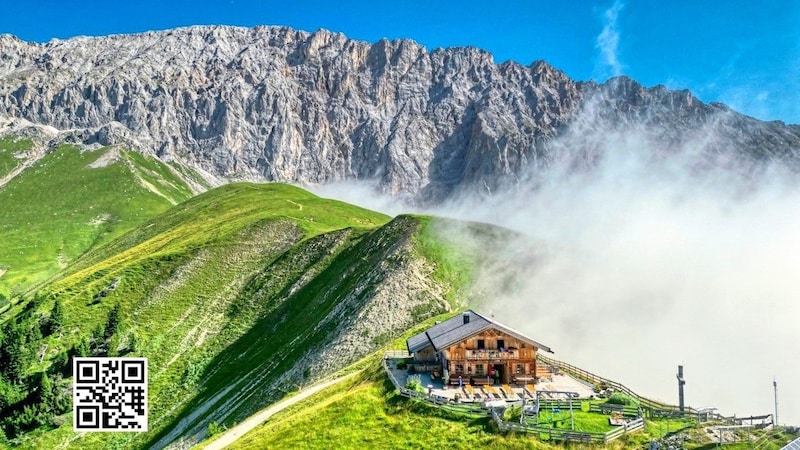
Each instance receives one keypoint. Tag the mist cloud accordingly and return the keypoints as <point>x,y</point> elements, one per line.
<point>651,258</point>
<point>633,257</point>
<point>365,194</point>
<point>608,41</point>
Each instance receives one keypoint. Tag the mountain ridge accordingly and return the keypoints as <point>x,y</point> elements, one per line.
<point>236,296</point>
<point>277,104</point>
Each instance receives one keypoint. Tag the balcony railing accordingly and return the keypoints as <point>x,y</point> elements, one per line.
<point>492,354</point>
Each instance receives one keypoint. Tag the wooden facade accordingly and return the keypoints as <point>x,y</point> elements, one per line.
<point>491,350</point>
<point>474,347</point>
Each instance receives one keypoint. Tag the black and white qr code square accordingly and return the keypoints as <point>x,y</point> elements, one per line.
<point>109,394</point>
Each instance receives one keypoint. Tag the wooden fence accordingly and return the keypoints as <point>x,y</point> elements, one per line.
<point>396,354</point>
<point>557,404</point>
<point>545,433</point>
<point>548,433</point>
<point>440,402</point>
<point>605,408</point>
<point>392,378</point>
<point>647,404</point>
<point>602,408</point>
<point>650,408</point>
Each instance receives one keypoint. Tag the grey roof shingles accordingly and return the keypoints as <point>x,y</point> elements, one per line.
<point>417,342</point>
<point>453,330</point>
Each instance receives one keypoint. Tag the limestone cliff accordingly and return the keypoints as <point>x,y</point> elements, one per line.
<point>272,103</point>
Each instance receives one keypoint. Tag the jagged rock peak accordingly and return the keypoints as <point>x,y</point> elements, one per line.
<point>274,103</point>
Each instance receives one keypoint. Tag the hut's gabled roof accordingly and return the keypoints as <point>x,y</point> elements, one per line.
<point>460,328</point>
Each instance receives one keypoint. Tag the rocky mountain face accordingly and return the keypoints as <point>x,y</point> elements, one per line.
<point>272,103</point>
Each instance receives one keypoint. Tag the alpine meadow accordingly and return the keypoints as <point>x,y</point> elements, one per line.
<point>321,242</point>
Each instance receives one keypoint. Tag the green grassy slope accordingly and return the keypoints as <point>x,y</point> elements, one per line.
<point>236,296</point>
<point>366,412</point>
<point>62,206</point>
<point>9,147</point>
<point>226,294</point>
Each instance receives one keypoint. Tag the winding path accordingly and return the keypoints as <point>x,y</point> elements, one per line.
<point>230,436</point>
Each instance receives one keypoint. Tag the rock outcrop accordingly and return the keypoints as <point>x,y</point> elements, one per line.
<point>272,103</point>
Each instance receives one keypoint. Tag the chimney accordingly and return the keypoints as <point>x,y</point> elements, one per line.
<point>466,318</point>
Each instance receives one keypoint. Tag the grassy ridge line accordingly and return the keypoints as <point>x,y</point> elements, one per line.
<point>306,318</point>
<point>179,330</point>
<point>196,181</point>
<point>202,280</point>
<point>159,175</point>
<point>210,218</point>
<point>60,207</point>
<point>207,253</point>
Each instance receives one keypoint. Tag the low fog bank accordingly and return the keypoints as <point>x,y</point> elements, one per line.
<point>636,259</point>
<point>646,262</point>
<point>633,277</point>
<point>366,195</point>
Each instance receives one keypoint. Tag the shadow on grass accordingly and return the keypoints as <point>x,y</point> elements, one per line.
<point>289,325</point>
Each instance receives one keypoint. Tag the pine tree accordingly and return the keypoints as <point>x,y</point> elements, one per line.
<point>4,396</point>
<point>16,356</point>
<point>79,350</point>
<point>60,364</point>
<point>33,331</point>
<point>56,322</point>
<point>62,398</point>
<point>112,324</point>
<point>83,348</point>
<point>46,393</point>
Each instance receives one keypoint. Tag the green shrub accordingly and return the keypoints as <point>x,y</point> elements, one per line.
<point>401,364</point>
<point>214,428</point>
<point>618,398</point>
<point>513,413</point>
<point>414,385</point>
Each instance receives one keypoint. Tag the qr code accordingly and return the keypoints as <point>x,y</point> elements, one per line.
<point>109,394</point>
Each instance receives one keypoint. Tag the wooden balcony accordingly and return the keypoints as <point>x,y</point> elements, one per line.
<point>491,354</point>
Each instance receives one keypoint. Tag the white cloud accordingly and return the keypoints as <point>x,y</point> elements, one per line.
<point>644,262</point>
<point>365,194</point>
<point>635,257</point>
<point>608,41</point>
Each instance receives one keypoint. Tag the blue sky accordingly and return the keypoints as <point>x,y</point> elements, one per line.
<point>743,53</point>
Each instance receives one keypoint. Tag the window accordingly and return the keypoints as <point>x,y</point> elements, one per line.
<point>459,368</point>
<point>501,343</point>
<point>520,369</point>
<point>481,344</point>
<point>479,369</point>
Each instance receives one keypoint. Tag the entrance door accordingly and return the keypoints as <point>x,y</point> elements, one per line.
<point>499,370</point>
